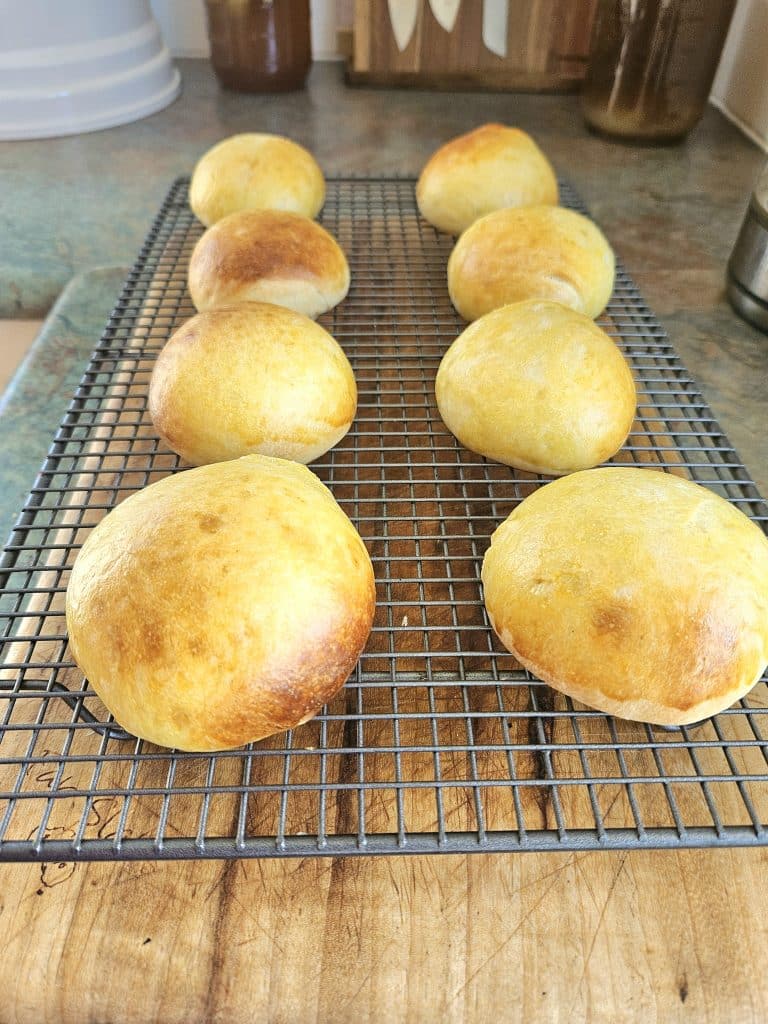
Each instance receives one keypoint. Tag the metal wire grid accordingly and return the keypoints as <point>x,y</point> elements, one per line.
<point>439,741</point>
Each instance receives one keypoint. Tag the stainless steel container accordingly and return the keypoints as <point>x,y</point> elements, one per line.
<point>748,266</point>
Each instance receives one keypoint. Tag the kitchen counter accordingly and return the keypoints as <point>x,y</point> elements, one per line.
<point>672,213</point>
<point>659,936</point>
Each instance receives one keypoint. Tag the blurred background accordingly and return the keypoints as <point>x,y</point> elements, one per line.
<point>531,55</point>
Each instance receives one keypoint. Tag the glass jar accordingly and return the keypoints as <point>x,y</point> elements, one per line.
<point>260,45</point>
<point>747,277</point>
<point>651,66</point>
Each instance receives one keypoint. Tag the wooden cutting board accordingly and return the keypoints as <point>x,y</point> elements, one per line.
<point>600,937</point>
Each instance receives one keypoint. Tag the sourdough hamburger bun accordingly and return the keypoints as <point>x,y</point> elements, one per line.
<point>537,386</point>
<point>253,378</point>
<point>487,169</point>
<point>536,252</point>
<point>255,171</point>
<point>268,256</point>
<point>636,592</point>
<point>221,605</point>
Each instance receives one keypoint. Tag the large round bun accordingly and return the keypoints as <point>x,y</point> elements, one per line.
<point>636,592</point>
<point>537,386</point>
<point>536,252</point>
<point>487,169</point>
<point>221,605</point>
<point>255,171</point>
<point>253,378</point>
<point>268,256</point>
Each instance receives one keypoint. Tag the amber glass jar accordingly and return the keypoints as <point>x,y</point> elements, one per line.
<point>260,45</point>
<point>651,66</point>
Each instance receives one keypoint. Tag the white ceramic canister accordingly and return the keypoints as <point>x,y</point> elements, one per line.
<point>69,66</point>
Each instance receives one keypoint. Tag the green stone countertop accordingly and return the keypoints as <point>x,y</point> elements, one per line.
<point>34,403</point>
<point>73,204</point>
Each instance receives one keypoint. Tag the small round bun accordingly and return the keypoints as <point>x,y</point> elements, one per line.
<point>537,386</point>
<point>221,605</point>
<point>249,379</point>
<point>633,591</point>
<point>268,256</point>
<point>536,252</point>
<point>490,168</point>
<point>255,171</point>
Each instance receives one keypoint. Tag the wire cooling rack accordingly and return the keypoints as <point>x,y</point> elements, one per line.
<point>439,741</point>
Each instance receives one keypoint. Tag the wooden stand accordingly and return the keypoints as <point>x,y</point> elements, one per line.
<point>547,44</point>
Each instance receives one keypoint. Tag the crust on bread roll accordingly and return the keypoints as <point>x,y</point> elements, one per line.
<point>221,605</point>
<point>536,252</point>
<point>268,256</point>
<point>633,591</point>
<point>255,171</point>
<point>537,386</point>
<point>487,169</point>
<point>253,378</point>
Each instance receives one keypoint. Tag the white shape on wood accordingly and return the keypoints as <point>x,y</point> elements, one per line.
<point>495,13</point>
<point>445,12</point>
<point>403,14</point>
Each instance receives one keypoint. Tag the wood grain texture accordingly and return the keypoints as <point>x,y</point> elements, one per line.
<point>547,47</point>
<point>599,937</point>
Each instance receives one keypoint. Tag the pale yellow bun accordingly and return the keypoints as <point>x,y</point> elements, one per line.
<point>487,169</point>
<point>253,378</point>
<point>536,252</point>
<point>633,591</point>
<point>537,386</point>
<point>255,171</point>
<point>268,256</point>
<point>221,605</point>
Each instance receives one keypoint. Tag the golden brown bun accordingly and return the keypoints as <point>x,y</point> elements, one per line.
<point>537,386</point>
<point>633,591</point>
<point>487,169</point>
<point>221,605</point>
<point>268,256</point>
<point>253,378</point>
<point>537,252</point>
<point>254,171</point>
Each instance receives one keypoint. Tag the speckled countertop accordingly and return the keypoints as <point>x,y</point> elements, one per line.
<point>73,204</point>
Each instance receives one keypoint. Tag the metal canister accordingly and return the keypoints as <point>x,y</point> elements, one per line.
<point>747,280</point>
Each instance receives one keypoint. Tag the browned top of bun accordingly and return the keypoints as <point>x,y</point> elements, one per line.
<point>266,243</point>
<point>222,604</point>
<point>255,171</point>
<point>268,256</point>
<point>634,591</point>
<point>490,168</point>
